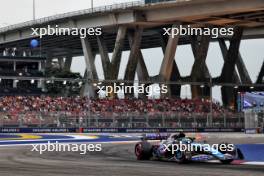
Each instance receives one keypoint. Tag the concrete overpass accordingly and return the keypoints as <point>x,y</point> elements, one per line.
<point>135,26</point>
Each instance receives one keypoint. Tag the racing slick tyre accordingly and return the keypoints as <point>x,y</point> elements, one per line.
<point>232,153</point>
<point>143,150</point>
<point>181,157</point>
<point>226,161</point>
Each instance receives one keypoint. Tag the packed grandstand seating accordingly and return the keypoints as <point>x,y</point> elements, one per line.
<point>23,104</point>
<point>36,110</point>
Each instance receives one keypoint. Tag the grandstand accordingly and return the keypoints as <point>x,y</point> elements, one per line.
<point>27,73</point>
<point>46,111</point>
<point>117,89</point>
<point>12,67</point>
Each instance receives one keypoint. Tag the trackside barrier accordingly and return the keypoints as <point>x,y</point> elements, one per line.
<point>38,130</point>
<point>158,130</point>
<point>117,130</point>
<point>254,130</point>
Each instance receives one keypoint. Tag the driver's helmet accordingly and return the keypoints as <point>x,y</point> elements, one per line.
<point>178,136</point>
<point>181,135</point>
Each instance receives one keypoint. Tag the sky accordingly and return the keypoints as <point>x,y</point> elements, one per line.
<point>16,11</point>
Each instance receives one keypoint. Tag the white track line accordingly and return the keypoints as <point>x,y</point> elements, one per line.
<point>253,163</point>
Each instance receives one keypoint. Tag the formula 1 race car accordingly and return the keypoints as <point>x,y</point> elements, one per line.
<point>178,147</point>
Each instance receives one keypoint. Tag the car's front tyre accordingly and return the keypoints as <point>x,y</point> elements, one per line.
<point>143,150</point>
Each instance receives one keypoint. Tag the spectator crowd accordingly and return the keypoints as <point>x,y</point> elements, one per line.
<point>30,105</point>
<point>21,104</point>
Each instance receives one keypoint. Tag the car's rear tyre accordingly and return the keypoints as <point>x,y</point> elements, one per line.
<point>227,161</point>
<point>143,150</point>
<point>232,153</point>
<point>181,157</point>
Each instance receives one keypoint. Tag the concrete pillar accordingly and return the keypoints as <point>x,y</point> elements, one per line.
<point>41,83</point>
<point>242,70</point>
<point>111,69</point>
<point>169,58</point>
<point>227,75</point>
<point>14,66</point>
<point>61,62</point>
<point>107,67</point>
<point>224,51</point>
<point>200,72</point>
<point>117,53</point>
<point>14,84</point>
<point>104,57</point>
<point>49,60</point>
<point>131,67</point>
<point>200,50</point>
<point>39,66</point>
<point>143,75</point>
<point>68,63</point>
<point>141,70</point>
<point>91,74</point>
<point>167,63</point>
<point>242,75</point>
<point>261,75</point>
<point>175,90</point>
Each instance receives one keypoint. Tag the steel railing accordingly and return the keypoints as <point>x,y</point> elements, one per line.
<point>128,120</point>
<point>101,9</point>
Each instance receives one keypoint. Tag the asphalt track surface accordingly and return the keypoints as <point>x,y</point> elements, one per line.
<point>114,160</point>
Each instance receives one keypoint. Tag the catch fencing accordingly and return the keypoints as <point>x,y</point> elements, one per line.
<point>121,120</point>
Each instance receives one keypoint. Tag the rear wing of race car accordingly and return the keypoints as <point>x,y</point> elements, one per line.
<point>154,136</point>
